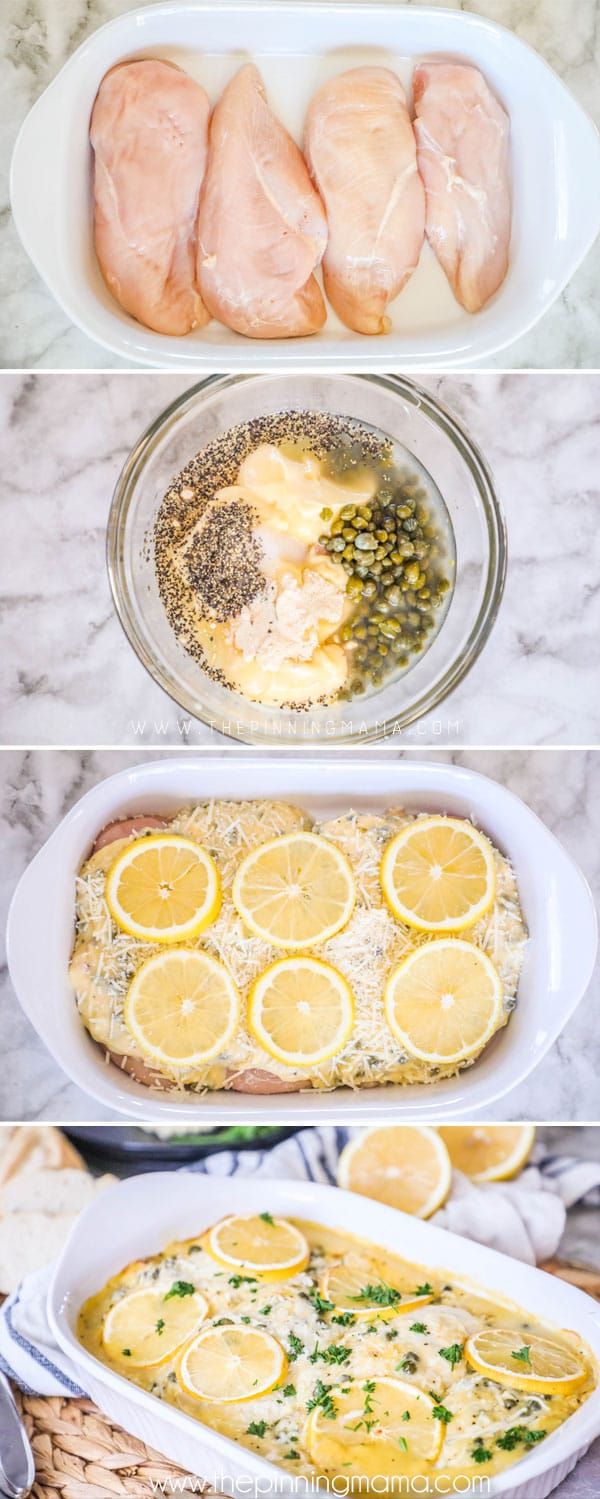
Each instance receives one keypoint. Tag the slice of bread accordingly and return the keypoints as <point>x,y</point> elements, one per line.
<point>52,1192</point>
<point>32,1147</point>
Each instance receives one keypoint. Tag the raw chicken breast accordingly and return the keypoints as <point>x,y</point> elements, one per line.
<point>462,149</point>
<point>262,229</point>
<point>149,131</point>
<point>360,149</point>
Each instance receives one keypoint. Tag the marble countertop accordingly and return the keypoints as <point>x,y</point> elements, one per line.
<point>37,788</point>
<point>69,676</point>
<point>36,38</point>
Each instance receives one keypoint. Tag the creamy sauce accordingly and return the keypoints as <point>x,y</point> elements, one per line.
<point>479,1411</point>
<point>105,959</point>
<point>279,648</point>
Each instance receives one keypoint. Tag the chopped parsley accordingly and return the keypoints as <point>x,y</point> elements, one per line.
<point>418,1327</point>
<point>264,1311</point>
<point>403,1444</point>
<point>180,1288</point>
<point>295,1346</point>
<point>323,1398</point>
<point>522,1354</point>
<point>126,1352</point>
<point>441,1413</point>
<point>160,1326</point>
<point>242,1280</point>
<point>453,1354</point>
<point>320,1303</point>
<point>344,1319</point>
<point>266,1218</point>
<point>380,1293</point>
<point>479,1453</point>
<point>292,1455</point>
<point>425,1290</point>
<point>244,1319</point>
<point>288,1389</point>
<point>335,1354</point>
<point>257,1428</point>
<point>515,1435</point>
<point>406,1415</point>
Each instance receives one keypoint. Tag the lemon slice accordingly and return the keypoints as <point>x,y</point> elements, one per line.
<point>182,1007</point>
<point>379,1426</point>
<point>489,1152</point>
<point>301,1010</point>
<point>261,1244</point>
<point>231,1363</point>
<point>295,891</point>
<point>525,1362</point>
<point>444,1001</point>
<point>404,1165</point>
<point>438,874</point>
<point>163,889</point>
<point>147,1327</point>
<point>362,1290</point>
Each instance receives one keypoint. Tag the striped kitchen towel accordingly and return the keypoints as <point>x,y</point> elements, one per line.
<point>524,1218</point>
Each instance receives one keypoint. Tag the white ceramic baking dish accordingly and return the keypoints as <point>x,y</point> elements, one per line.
<point>555,169</point>
<point>556,901</point>
<point>140,1216</point>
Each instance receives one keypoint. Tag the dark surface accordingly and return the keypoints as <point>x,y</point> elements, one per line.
<point>128,1150</point>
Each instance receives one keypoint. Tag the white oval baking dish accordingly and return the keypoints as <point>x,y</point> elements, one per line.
<point>556,900</point>
<point>140,1216</point>
<point>555,164</point>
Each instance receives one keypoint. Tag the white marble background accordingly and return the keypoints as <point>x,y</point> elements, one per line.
<point>37,788</point>
<point>36,38</point>
<point>69,676</point>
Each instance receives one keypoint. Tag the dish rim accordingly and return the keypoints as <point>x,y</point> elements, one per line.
<point>286,1196</point>
<point>303,779</point>
<point>240,356</point>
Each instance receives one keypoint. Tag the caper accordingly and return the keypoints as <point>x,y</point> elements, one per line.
<point>365,542</point>
<point>337,528</point>
<point>348,512</point>
<point>390,628</point>
<point>354,587</point>
<point>338,544</point>
<point>348,533</point>
<point>346,632</point>
<point>393,596</point>
<point>369,589</point>
<point>361,632</point>
<point>326,513</point>
<point>410,526</point>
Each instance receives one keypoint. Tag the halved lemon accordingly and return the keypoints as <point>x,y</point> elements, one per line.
<point>295,891</point>
<point>444,1001</point>
<point>489,1152</point>
<point>182,1007</point>
<point>438,874</point>
<point>231,1363</point>
<point>379,1426</point>
<point>525,1362</point>
<point>163,888</point>
<point>301,1010</point>
<point>361,1289</point>
<point>146,1327</point>
<point>404,1165</point>
<point>260,1244</point>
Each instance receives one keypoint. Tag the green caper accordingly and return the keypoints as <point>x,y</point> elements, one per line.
<point>326,513</point>
<point>365,542</point>
<point>338,544</point>
<point>348,512</point>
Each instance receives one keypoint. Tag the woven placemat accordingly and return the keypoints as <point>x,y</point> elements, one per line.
<point>81,1454</point>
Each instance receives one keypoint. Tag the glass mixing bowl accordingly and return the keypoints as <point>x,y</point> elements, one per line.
<point>409,416</point>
